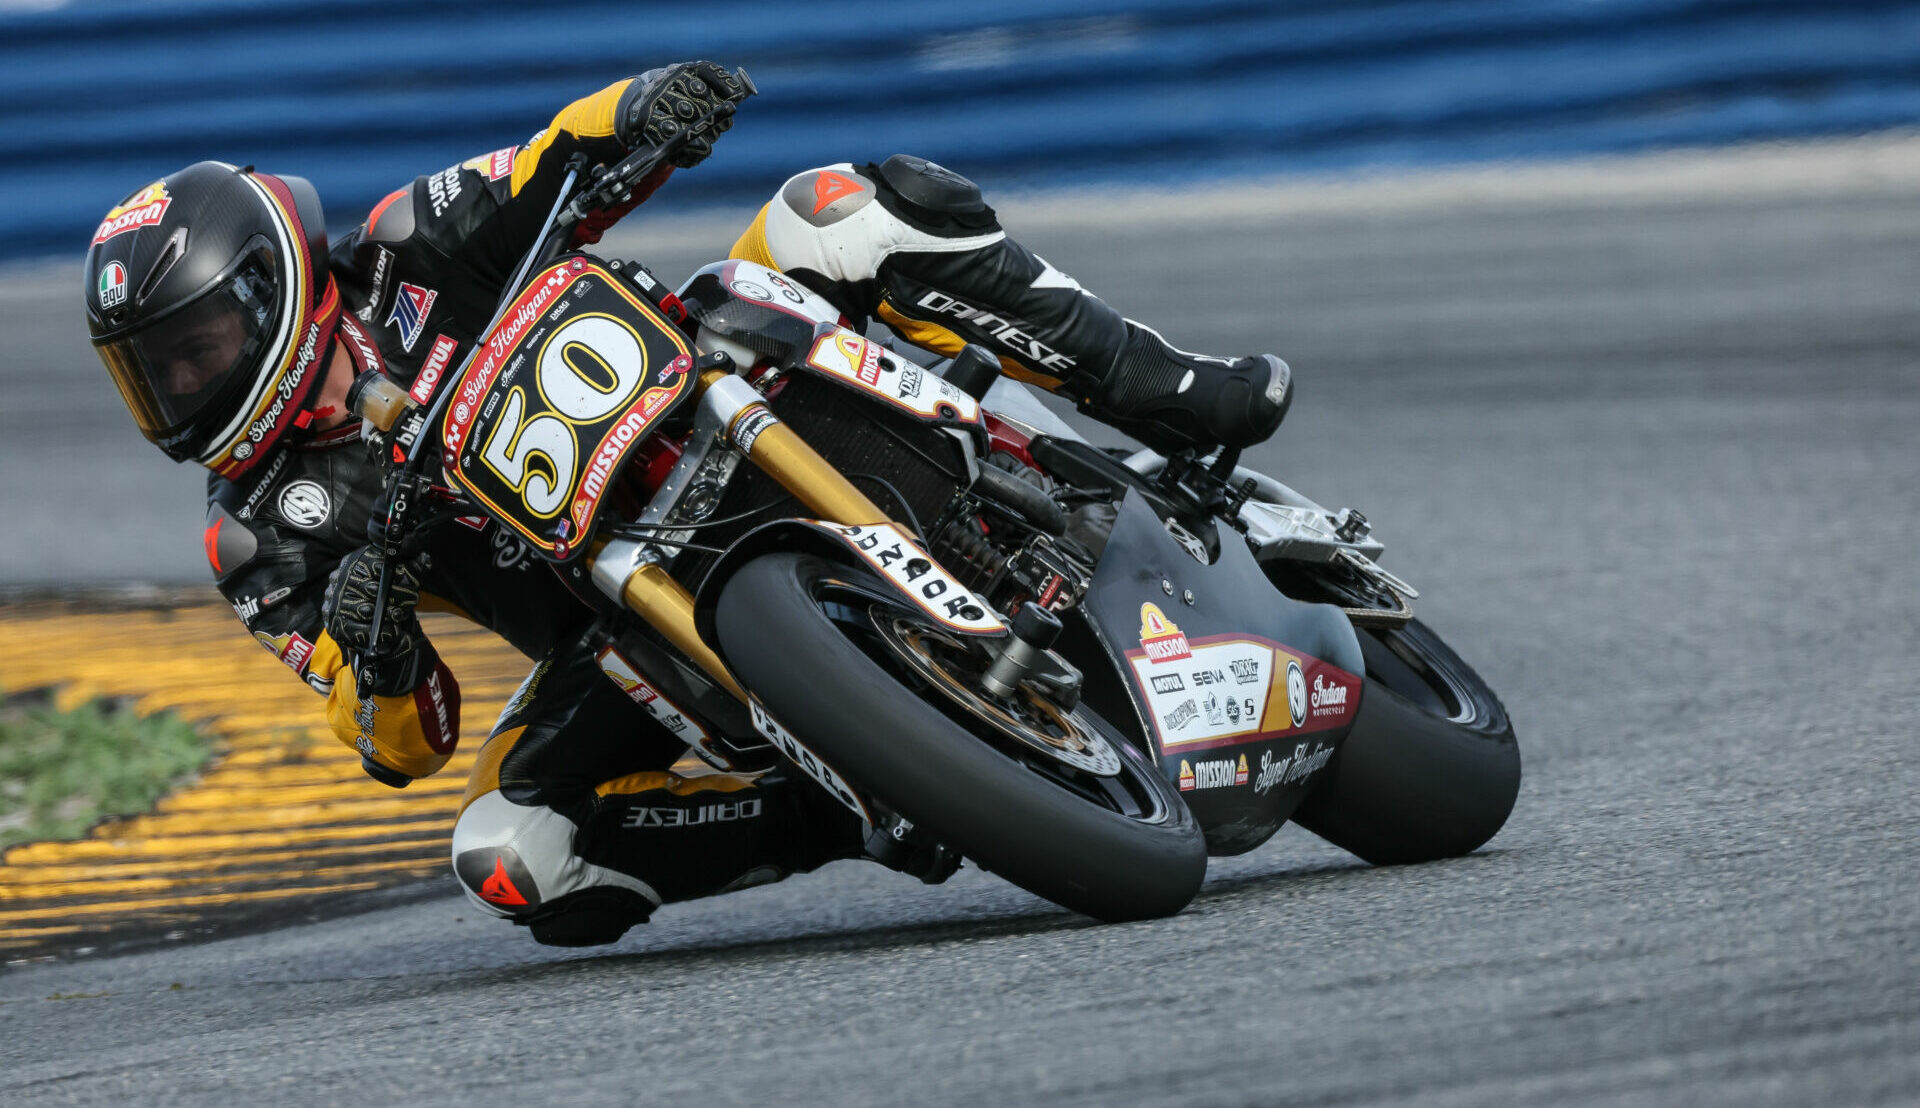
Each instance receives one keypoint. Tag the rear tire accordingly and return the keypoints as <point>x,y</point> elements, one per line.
<point>790,626</point>
<point>1431,768</point>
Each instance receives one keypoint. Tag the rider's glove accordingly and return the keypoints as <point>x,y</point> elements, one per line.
<point>664,102</point>
<point>403,654</point>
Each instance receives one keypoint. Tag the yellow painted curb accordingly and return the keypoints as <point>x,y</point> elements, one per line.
<point>281,815</point>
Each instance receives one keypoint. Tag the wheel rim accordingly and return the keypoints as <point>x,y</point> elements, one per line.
<point>953,665</point>
<point>862,616</point>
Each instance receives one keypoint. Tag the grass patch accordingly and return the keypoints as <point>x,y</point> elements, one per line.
<point>60,772</point>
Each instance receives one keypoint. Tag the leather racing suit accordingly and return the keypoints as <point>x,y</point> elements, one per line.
<point>573,821</point>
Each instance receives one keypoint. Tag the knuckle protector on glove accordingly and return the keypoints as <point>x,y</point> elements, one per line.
<point>352,596</point>
<point>663,103</point>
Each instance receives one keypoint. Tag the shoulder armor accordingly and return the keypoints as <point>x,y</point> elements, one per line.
<point>827,196</point>
<point>230,543</point>
<point>933,197</point>
<point>392,218</point>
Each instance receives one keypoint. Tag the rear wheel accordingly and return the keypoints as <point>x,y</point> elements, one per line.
<point>1431,768</point>
<point>1053,800</point>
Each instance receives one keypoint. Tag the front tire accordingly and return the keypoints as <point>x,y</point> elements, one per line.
<point>798,631</point>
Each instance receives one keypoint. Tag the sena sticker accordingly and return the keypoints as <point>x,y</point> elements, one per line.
<point>1231,689</point>
<point>411,306</point>
<point>305,504</point>
<point>433,368</point>
<point>143,209</point>
<point>1160,637</point>
<point>113,285</point>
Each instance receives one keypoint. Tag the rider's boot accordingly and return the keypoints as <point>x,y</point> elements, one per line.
<point>915,245</point>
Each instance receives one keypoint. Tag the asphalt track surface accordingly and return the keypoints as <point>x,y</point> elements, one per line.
<point>1648,449</point>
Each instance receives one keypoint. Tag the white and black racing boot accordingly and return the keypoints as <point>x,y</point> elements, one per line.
<point>916,246</point>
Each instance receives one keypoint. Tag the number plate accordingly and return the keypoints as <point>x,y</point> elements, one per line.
<point>577,372</point>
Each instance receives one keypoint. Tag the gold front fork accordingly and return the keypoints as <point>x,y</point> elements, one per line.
<point>751,427</point>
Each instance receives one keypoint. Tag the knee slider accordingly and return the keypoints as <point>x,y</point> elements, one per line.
<point>518,861</point>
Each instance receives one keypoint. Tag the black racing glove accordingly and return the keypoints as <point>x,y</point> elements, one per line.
<point>664,102</point>
<point>403,655</point>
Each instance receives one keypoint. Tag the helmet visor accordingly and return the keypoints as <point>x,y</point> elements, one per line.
<point>180,374</point>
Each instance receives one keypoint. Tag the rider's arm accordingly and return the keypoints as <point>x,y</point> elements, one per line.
<point>483,213</point>
<point>276,581</point>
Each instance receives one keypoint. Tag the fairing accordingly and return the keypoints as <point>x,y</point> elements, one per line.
<point>1189,640</point>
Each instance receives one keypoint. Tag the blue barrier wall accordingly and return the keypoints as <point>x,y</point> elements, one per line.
<point>98,98</point>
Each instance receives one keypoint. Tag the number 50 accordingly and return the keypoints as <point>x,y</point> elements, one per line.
<point>588,368</point>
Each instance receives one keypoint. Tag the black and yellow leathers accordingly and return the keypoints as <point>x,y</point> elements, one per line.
<point>573,821</point>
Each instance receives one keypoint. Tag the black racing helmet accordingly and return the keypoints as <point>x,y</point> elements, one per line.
<point>209,300</point>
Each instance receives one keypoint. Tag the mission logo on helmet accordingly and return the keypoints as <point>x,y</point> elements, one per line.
<point>142,209</point>
<point>113,285</point>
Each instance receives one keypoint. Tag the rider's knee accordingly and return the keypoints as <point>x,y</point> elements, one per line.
<point>518,862</point>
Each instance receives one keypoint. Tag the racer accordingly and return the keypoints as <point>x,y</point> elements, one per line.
<point>234,334</point>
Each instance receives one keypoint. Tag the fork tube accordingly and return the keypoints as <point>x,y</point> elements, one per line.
<point>784,455</point>
<point>652,593</point>
<point>668,606</point>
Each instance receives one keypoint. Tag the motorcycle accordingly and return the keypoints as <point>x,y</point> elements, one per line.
<point>1084,670</point>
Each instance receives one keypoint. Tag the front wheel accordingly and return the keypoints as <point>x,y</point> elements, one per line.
<point>820,645</point>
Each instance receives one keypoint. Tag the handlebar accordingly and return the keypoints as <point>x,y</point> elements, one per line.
<point>606,188</point>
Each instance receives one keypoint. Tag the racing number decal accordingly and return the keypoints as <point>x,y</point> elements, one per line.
<point>574,374</point>
<point>590,366</point>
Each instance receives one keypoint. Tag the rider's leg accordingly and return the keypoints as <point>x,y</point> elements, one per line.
<point>914,245</point>
<point>574,825</point>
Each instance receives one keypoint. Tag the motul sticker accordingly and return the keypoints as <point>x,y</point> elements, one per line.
<point>433,368</point>
<point>143,209</point>
<point>1224,690</point>
<point>894,553</point>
